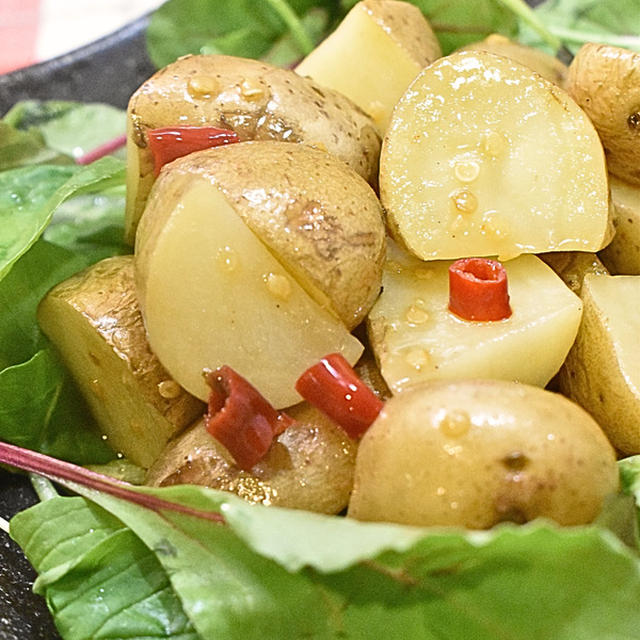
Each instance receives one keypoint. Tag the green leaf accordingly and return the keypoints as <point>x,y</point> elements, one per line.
<point>240,28</point>
<point>20,148</point>
<point>255,577</point>
<point>29,196</point>
<point>576,22</point>
<point>99,579</point>
<point>69,128</point>
<point>41,409</point>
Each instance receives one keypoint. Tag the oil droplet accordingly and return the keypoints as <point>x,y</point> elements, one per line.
<point>251,89</point>
<point>278,285</point>
<point>423,273</point>
<point>464,201</point>
<point>320,146</point>
<point>199,86</point>
<point>455,424</point>
<point>97,389</point>
<point>466,171</point>
<point>376,110</point>
<point>227,259</point>
<point>494,144</point>
<point>393,266</point>
<point>417,358</point>
<point>416,315</point>
<point>169,389</point>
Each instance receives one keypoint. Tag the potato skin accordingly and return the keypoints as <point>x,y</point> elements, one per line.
<point>94,320</point>
<point>605,81</point>
<point>252,98</point>
<point>320,218</point>
<point>309,466</point>
<point>475,453</point>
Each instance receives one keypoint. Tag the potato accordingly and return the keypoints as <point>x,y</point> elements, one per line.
<point>602,370</point>
<point>212,293</point>
<point>573,266</point>
<point>309,466</point>
<point>476,453</point>
<point>252,98</point>
<point>416,338</point>
<point>476,159</point>
<point>94,320</point>
<point>373,55</point>
<point>622,254</point>
<point>319,218</point>
<point>547,66</point>
<point>605,81</point>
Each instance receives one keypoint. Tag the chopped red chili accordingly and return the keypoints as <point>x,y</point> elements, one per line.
<point>169,143</point>
<point>333,386</point>
<point>240,418</point>
<point>478,289</point>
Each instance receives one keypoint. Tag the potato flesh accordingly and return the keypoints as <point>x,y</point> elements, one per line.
<point>602,370</point>
<point>416,338</point>
<point>371,61</point>
<point>94,320</point>
<point>476,163</point>
<point>213,295</point>
<point>478,452</point>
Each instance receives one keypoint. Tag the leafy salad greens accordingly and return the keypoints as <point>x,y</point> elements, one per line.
<point>112,569</point>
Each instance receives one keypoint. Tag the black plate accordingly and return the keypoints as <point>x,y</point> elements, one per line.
<point>108,70</point>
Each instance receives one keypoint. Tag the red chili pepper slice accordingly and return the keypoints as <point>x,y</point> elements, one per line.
<point>240,418</point>
<point>478,290</point>
<point>169,143</point>
<point>333,386</point>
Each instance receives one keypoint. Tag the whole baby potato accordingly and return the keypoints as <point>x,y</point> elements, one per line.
<point>256,100</point>
<point>309,466</point>
<point>477,452</point>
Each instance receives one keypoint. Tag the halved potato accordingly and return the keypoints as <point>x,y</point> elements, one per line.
<point>318,217</point>
<point>537,60</point>
<point>602,370</point>
<point>373,55</point>
<point>252,98</point>
<point>309,466</point>
<point>416,338</point>
<point>94,320</point>
<point>475,453</point>
<point>605,81</point>
<point>622,254</point>
<point>476,159</point>
<point>213,294</point>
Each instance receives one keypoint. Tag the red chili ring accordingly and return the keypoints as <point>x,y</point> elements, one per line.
<point>478,290</point>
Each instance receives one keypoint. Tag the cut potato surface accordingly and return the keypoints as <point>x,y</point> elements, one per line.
<point>476,453</point>
<point>602,370</point>
<point>537,60</point>
<point>309,466</point>
<point>256,100</point>
<point>416,338</point>
<point>212,294</point>
<point>477,159</point>
<point>94,320</point>
<point>373,55</point>
<point>320,219</point>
